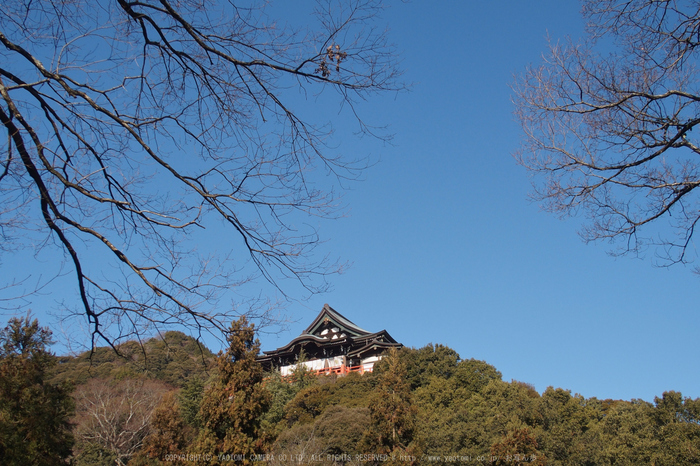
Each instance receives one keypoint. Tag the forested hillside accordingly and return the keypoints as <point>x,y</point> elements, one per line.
<point>171,401</point>
<point>172,359</point>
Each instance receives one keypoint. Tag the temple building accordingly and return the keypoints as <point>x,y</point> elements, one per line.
<point>332,344</point>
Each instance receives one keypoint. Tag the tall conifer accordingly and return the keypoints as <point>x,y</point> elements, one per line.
<point>233,403</point>
<point>393,414</point>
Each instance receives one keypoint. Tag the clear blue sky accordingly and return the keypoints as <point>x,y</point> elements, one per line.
<point>446,248</point>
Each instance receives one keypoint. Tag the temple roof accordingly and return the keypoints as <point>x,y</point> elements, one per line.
<point>331,330</point>
<point>330,314</point>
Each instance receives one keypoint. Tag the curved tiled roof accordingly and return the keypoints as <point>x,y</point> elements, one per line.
<point>331,330</point>
<point>331,314</point>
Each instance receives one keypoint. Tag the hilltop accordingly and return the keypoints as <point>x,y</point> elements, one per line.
<point>172,358</point>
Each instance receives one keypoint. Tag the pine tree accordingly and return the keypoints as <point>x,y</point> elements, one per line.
<point>233,403</point>
<point>34,414</point>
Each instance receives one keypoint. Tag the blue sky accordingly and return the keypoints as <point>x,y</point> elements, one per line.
<point>446,248</point>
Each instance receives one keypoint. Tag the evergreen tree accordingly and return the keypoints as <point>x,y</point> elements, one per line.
<point>233,404</point>
<point>474,375</point>
<point>392,413</point>
<point>517,448</point>
<point>34,414</point>
<point>282,391</point>
<point>190,401</point>
<point>169,434</point>
<point>302,376</point>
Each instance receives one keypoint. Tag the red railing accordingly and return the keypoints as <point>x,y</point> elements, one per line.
<point>342,370</point>
<point>339,370</point>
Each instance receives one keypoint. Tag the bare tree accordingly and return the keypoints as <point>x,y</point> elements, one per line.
<point>116,416</point>
<point>132,125</point>
<point>609,126</point>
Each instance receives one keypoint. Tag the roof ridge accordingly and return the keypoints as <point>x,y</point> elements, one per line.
<point>327,309</point>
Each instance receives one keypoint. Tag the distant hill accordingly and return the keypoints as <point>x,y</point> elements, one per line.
<point>173,358</point>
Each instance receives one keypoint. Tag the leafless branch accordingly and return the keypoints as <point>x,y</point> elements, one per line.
<point>133,125</point>
<point>116,416</point>
<point>613,135</point>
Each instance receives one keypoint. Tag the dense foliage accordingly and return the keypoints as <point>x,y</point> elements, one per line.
<point>174,359</point>
<point>34,413</point>
<point>232,405</point>
<point>419,406</point>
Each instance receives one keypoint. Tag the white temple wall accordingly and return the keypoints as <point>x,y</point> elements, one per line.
<point>326,363</point>
<point>368,363</point>
<point>315,365</point>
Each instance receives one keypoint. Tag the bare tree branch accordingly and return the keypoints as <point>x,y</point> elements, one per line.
<point>614,135</point>
<point>117,416</point>
<point>131,125</point>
